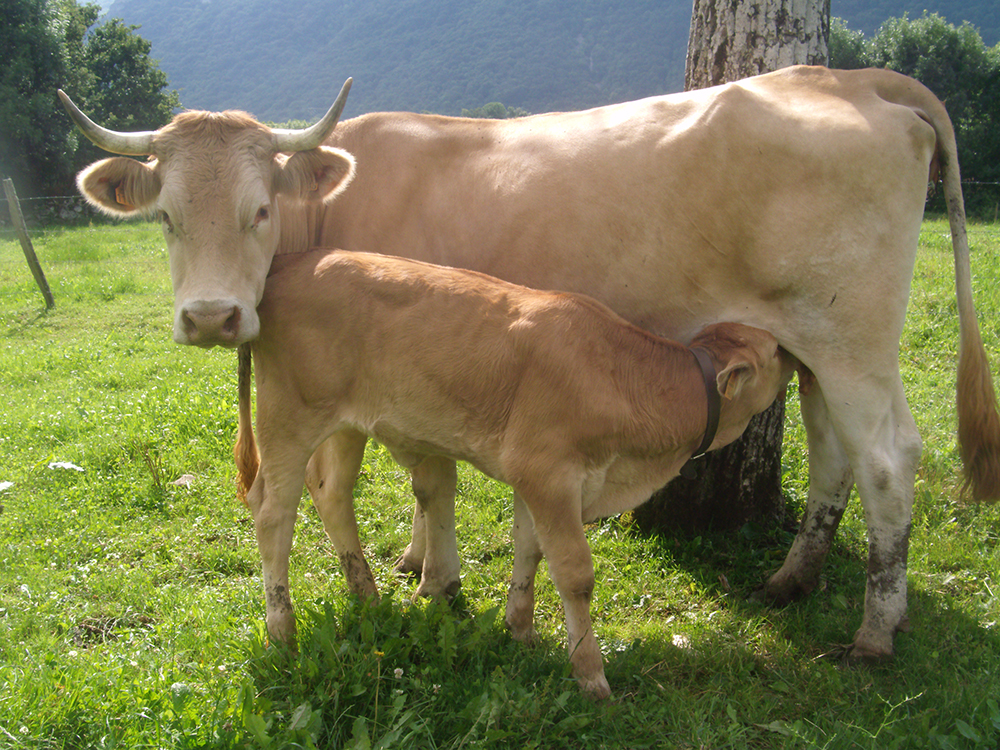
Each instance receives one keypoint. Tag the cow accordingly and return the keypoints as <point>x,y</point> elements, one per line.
<point>583,414</point>
<point>790,201</point>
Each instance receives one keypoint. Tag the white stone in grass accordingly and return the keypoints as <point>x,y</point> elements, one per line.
<point>65,465</point>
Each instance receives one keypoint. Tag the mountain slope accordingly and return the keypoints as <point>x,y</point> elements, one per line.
<point>283,61</point>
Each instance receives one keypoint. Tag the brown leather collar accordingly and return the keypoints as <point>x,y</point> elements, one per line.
<point>690,469</point>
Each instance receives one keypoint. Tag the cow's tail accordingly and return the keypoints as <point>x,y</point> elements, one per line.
<point>245,451</point>
<point>978,421</point>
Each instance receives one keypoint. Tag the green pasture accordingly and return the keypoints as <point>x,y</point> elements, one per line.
<point>131,610</point>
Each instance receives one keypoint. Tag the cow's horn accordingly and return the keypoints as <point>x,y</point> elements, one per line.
<point>314,135</point>
<point>128,144</point>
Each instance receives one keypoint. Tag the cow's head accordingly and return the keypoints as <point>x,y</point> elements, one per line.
<point>212,180</point>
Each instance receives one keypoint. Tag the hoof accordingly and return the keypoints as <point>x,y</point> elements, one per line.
<point>522,633</point>
<point>406,568</point>
<point>858,654</point>
<point>780,592</point>
<point>429,590</point>
<point>596,688</point>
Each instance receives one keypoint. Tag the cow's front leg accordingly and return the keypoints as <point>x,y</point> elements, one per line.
<point>435,481</point>
<point>273,501</point>
<point>330,477</point>
<point>559,526</point>
<point>520,616</point>
<point>830,484</point>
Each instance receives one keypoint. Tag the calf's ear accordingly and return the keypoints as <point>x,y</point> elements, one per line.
<point>319,174</point>
<point>734,377</point>
<point>120,186</point>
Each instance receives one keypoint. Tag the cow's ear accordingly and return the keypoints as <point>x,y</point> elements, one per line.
<point>316,175</point>
<point>734,377</point>
<point>120,186</point>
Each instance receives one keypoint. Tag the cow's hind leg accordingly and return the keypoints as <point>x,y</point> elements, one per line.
<point>330,477</point>
<point>885,472</point>
<point>520,616</point>
<point>435,481</point>
<point>870,416</point>
<point>830,484</point>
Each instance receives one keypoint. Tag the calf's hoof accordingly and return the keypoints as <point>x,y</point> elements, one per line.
<point>596,688</point>
<point>521,629</point>
<point>359,576</point>
<point>408,565</point>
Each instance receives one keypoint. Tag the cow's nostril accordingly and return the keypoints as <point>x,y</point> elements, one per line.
<point>232,325</point>
<point>211,323</point>
<point>190,326</point>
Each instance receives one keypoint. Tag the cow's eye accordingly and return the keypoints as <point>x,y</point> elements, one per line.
<point>263,214</point>
<point>168,225</point>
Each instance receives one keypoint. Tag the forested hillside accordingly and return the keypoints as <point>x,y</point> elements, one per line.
<point>868,15</point>
<point>287,60</point>
<point>283,61</point>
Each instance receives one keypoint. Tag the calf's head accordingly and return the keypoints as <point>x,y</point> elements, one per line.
<point>213,181</point>
<point>752,371</point>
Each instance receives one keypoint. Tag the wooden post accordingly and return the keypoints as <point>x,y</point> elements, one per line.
<point>29,251</point>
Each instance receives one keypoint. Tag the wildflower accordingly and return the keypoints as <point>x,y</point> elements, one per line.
<point>398,672</point>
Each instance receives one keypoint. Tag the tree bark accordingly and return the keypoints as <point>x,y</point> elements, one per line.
<point>733,39</point>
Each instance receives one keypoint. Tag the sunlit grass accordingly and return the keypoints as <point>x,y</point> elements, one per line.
<point>131,607</point>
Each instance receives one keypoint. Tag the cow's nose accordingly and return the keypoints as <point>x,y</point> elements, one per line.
<point>210,323</point>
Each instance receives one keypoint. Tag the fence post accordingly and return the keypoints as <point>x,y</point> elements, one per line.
<point>29,251</point>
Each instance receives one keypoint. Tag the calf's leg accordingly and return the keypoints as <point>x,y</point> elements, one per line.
<point>520,616</point>
<point>274,500</point>
<point>435,481</point>
<point>330,477</point>
<point>411,562</point>
<point>558,523</point>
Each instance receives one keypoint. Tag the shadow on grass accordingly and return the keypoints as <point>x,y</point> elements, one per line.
<point>27,323</point>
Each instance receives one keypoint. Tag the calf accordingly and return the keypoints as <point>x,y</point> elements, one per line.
<point>582,413</point>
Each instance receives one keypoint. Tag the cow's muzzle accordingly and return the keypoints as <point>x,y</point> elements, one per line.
<point>210,323</point>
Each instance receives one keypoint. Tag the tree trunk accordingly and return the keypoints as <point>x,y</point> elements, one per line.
<point>733,39</point>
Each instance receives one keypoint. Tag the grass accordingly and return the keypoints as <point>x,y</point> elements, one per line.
<point>131,608</point>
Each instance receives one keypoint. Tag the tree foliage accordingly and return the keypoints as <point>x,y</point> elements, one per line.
<point>29,110</point>
<point>958,67</point>
<point>495,111</point>
<point>49,44</point>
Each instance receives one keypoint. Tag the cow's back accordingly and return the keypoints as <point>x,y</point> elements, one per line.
<point>664,208</point>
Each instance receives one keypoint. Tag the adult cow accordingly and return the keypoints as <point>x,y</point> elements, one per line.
<point>791,202</point>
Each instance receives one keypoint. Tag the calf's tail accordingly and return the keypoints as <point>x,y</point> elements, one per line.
<point>245,452</point>
<point>978,421</point>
